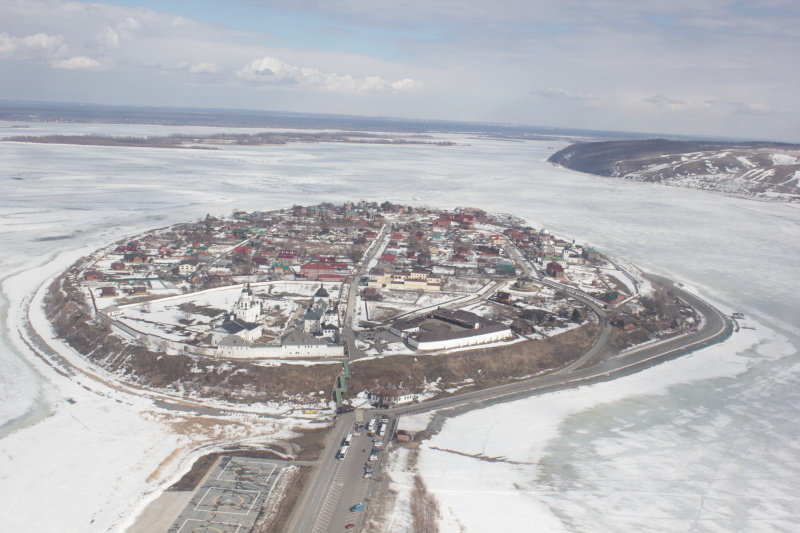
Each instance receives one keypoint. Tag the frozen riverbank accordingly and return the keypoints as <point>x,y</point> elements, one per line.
<point>61,201</point>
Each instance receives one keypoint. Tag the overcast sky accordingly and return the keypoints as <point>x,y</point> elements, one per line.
<point>700,67</point>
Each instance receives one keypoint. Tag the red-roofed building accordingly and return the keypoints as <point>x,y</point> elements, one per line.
<point>288,257</point>
<point>315,270</point>
<point>555,270</point>
<point>93,275</point>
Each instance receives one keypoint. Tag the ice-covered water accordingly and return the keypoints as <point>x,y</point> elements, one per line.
<point>654,458</point>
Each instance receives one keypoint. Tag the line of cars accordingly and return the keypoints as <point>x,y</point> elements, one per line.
<point>377,444</point>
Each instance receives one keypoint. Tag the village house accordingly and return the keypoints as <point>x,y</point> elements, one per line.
<point>313,271</point>
<point>386,398</point>
<point>187,266</point>
<point>108,292</point>
<point>134,258</point>
<point>93,275</point>
<point>555,270</point>
<point>417,279</point>
<point>611,297</point>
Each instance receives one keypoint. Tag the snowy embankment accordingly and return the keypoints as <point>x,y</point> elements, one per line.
<point>724,448</point>
<point>524,465</point>
<point>101,452</point>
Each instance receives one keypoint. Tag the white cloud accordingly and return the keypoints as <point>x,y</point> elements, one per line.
<point>204,67</point>
<point>664,103</point>
<point>563,94</point>
<point>669,104</point>
<point>43,42</point>
<point>650,63</point>
<point>269,71</point>
<point>751,108</point>
<point>31,47</point>
<point>108,38</point>
<point>42,47</point>
<point>129,24</point>
<point>7,45</point>
<point>78,63</point>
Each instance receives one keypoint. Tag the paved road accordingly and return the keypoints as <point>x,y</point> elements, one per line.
<point>714,327</point>
<point>336,485</point>
<point>348,337</point>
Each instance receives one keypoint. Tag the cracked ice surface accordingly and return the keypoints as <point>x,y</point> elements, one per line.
<point>705,443</point>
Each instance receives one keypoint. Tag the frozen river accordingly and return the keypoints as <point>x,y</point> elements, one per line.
<point>706,443</point>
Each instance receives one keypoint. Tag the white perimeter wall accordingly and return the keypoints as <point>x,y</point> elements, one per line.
<point>473,340</point>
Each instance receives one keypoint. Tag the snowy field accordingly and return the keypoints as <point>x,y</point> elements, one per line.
<point>185,317</point>
<point>705,443</point>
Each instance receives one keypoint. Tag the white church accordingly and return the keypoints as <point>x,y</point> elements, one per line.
<point>315,334</point>
<point>243,321</point>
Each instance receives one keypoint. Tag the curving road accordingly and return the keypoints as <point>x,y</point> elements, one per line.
<point>324,507</point>
<point>336,485</point>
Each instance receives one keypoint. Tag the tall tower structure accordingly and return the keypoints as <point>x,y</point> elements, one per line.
<point>247,308</point>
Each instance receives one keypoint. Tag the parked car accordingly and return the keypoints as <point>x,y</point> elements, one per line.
<point>349,526</point>
<point>357,507</point>
<point>373,457</point>
<point>367,474</point>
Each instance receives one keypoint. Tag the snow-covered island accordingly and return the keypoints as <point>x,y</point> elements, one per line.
<point>313,309</point>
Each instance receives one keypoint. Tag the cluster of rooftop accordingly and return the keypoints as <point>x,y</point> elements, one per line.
<point>449,254</point>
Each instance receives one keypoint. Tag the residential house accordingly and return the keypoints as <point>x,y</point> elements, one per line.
<point>390,397</point>
<point>315,270</point>
<point>555,270</point>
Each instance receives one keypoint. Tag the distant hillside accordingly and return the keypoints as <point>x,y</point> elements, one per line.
<point>762,170</point>
<point>19,111</point>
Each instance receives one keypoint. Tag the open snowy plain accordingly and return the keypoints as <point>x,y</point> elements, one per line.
<point>705,443</point>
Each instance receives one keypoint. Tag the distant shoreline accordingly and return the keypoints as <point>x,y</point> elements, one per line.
<point>212,142</point>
